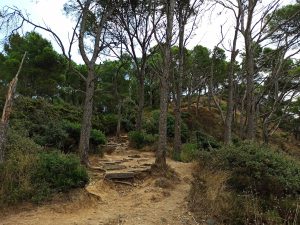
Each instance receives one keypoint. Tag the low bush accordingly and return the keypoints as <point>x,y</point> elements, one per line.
<point>55,172</point>
<point>151,125</point>
<point>73,131</point>
<point>261,170</point>
<point>189,152</point>
<point>29,174</point>
<point>139,139</point>
<point>262,185</point>
<point>206,142</point>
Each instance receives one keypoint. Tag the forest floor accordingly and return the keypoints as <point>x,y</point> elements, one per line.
<point>145,199</point>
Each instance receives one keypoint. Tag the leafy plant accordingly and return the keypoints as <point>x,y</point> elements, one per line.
<point>139,139</point>
<point>189,152</point>
<point>151,125</point>
<point>28,173</point>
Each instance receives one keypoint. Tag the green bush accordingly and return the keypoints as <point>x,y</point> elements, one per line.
<point>57,172</point>
<point>51,134</point>
<point>206,142</point>
<point>15,173</point>
<point>151,125</point>
<point>97,137</point>
<point>259,169</point>
<point>189,152</point>
<point>263,186</point>
<point>28,173</point>
<point>139,139</point>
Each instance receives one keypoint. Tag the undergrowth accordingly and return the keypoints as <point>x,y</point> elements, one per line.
<point>258,186</point>
<point>31,174</point>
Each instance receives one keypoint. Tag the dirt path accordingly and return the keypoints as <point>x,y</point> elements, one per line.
<point>147,201</point>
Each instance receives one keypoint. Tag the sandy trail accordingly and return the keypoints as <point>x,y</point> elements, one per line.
<point>107,203</point>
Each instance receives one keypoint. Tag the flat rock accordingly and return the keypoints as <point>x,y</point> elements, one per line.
<point>119,175</point>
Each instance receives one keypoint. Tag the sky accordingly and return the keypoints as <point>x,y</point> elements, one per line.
<point>50,12</point>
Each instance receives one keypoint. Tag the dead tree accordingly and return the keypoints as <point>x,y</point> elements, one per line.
<point>7,110</point>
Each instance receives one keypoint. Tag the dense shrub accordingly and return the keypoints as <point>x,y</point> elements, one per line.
<point>189,152</point>
<point>15,173</point>
<point>51,134</point>
<point>206,142</point>
<point>56,172</point>
<point>73,131</point>
<point>151,125</point>
<point>139,139</point>
<point>31,174</point>
<point>97,137</point>
<point>260,169</point>
<point>262,185</point>
<point>52,125</point>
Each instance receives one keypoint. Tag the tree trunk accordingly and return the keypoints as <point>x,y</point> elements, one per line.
<point>265,131</point>
<point>198,102</point>
<point>250,102</point>
<point>189,98</point>
<point>86,124</point>
<point>210,81</point>
<point>230,103</point>
<point>164,90</point>
<point>141,95</point>
<point>119,119</point>
<point>178,89</point>
<point>3,132</point>
<point>8,109</point>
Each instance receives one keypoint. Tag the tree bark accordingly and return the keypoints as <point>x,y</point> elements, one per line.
<point>178,88</point>
<point>86,125</point>
<point>160,161</point>
<point>230,102</point>
<point>119,119</point>
<point>141,96</point>
<point>8,109</point>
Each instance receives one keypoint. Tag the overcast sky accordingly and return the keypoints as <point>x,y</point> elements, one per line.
<point>50,12</point>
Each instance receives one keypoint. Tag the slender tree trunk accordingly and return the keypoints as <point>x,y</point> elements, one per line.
<point>250,102</point>
<point>119,119</point>
<point>265,131</point>
<point>198,103</point>
<point>86,124</point>
<point>178,87</point>
<point>210,81</point>
<point>141,95</point>
<point>164,90</point>
<point>7,110</point>
<point>189,98</point>
<point>230,103</point>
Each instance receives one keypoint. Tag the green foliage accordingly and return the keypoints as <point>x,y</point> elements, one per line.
<point>151,125</point>
<point>106,122</point>
<point>97,137</point>
<point>263,186</point>
<point>52,125</point>
<point>139,139</point>
<point>189,152</point>
<point>260,169</point>
<point>43,69</point>
<point>73,131</point>
<point>206,142</point>
<point>57,172</point>
<point>31,174</point>
<point>51,134</point>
